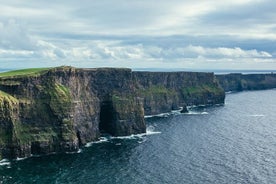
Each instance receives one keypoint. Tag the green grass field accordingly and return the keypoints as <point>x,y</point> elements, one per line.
<point>23,72</point>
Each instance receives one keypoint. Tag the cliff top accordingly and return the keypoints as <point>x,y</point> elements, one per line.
<point>39,71</point>
<point>24,72</point>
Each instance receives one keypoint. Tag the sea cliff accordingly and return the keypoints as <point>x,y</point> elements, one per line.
<point>166,91</point>
<point>241,82</point>
<point>60,109</point>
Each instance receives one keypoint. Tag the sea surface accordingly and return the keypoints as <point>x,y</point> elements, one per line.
<point>231,143</point>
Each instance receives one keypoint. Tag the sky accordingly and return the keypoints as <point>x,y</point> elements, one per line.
<point>193,34</point>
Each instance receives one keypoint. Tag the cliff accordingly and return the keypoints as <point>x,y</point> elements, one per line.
<point>166,91</point>
<point>240,82</point>
<point>60,109</point>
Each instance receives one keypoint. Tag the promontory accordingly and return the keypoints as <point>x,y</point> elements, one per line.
<point>51,110</point>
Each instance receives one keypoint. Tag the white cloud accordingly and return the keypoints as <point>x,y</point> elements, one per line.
<point>13,35</point>
<point>223,52</point>
<point>118,51</point>
<point>139,32</point>
<point>15,53</point>
<point>132,17</point>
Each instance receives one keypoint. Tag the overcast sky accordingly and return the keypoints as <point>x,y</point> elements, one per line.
<point>206,34</point>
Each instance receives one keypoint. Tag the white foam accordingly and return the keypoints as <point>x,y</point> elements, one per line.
<point>162,115</point>
<point>192,112</point>
<point>4,162</point>
<point>74,152</point>
<point>143,140</point>
<point>204,105</point>
<point>149,131</point>
<point>176,112</point>
<point>204,113</point>
<point>148,116</point>
<point>196,113</point>
<point>132,136</point>
<point>21,158</point>
<point>153,133</point>
<point>101,140</point>
<point>165,115</point>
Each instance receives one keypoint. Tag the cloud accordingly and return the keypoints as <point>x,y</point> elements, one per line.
<point>119,50</point>
<point>15,53</point>
<point>222,52</point>
<point>137,33</point>
<point>13,35</point>
<point>120,17</point>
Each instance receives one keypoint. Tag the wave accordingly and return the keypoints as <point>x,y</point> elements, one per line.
<point>149,131</point>
<point>203,105</point>
<point>133,136</point>
<point>162,115</point>
<point>4,162</point>
<point>74,152</point>
<point>20,158</point>
<point>196,113</point>
<point>101,140</point>
<point>192,109</point>
<point>204,113</point>
<point>178,112</point>
<point>167,114</point>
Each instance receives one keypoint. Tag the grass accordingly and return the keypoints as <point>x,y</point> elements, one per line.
<point>10,99</point>
<point>195,90</point>
<point>59,98</point>
<point>23,72</point>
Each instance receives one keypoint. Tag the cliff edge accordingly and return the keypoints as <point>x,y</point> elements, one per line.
<point>44,111</point>
<point>241,82</point>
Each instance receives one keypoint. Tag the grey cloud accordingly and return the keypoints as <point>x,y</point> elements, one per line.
<point>14,36</point>
<point>260,12</point>
<point>134,31</point>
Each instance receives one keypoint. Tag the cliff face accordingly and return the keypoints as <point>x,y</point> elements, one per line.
<point>60,109</point>
<point>240,82</point>
<point>63,108</point>
<point>166,91</point>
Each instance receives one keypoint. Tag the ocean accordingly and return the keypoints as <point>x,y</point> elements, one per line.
<point>231,143</point>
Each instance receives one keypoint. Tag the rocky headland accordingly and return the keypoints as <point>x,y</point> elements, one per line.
<point>60,109</point>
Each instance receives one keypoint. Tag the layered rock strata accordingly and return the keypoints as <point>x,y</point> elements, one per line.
<point>241,82</point>
<point>61,109</point>
<point>166,91</point>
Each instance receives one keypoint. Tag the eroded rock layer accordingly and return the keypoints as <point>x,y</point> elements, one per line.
<point>61,109</point>
<point>241,82</point>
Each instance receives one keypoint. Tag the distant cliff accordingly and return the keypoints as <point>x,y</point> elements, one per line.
<point>240,82</point>
<point>61,109</point>
<point>166,91</point>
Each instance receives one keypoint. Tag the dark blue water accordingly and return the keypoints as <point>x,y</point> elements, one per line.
<point>234,143</point>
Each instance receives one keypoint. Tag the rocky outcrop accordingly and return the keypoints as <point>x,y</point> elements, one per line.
<point>60,109</point>
<point>240,82</point>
